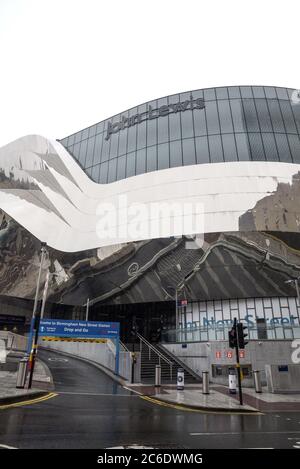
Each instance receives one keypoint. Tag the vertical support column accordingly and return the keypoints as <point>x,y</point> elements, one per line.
<point>117,355</point>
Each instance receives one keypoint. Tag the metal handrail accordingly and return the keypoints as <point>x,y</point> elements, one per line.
<point>124,346</point>
<point>150,346</point>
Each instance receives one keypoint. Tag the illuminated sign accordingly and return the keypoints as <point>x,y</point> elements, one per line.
<point>153,113</point>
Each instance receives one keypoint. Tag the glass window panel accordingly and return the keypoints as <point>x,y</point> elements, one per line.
<point>187,125</point>
<point>250,115</point>
<point>92,130</point>
<point>122,141</point>
<point>162,122</point>
<point>97,149</point>
<point>76,150</point>
<point>152,158</point>
<point>246,91</point>
<point>282,93</point>
<point>65,141</point>
<point>188,147</point>
<point>288,117</point>
<point>234,92</point>
<point>130,164</point>
<point>77,137</point>
<point>242,145</point>
<point>90,152</point>
<point>175,154</point>
<point>151,127</point>
<point>95,173</point>
<point>229,147</point>
<point>121,167</point>
<point>270,147</point>
<point>100,126</point>
<point>212,118</point>
<point>258,91</point>
<point>131,143</point>
<point>256,146</point>
<point>71,139</point>
<point>114,142</point>
<point>112,170</point>
<point>198,94</point>
<point>222,93</point>
<point>141,132</point>
<point>103,173</point>
<point>225,117</point>
<point>296,112</point>
<point>283,147</point>
<point>85,134</point>
<point>82,152</point>
<point>202,150</point>
<point>209,94</point>
<point>294,147</point>
<point>263,115</point>
<point>174,123</point>
<point>105,149</point>
<point>215,148</point>
<point>270,92</point>
<point>141,161</point>
<point>163,156</point>
<point>200,122</point>
<point>237,116</point>
<point>276,116</point>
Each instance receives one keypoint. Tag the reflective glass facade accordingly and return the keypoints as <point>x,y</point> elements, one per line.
<point>238,123</point>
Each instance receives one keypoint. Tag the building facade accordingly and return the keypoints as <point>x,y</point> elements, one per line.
<point>232,154</point>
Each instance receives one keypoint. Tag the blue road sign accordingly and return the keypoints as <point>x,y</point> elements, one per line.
<point>79,329</point>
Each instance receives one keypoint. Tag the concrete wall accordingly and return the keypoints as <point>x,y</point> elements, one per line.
<point>103,353</point>
<point>201,356</point>
<point>13,341</point>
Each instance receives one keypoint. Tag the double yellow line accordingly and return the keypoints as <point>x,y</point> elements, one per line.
<point>29,402</point>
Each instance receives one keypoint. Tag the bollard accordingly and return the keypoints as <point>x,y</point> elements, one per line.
<point>257,381</point>
<point>205,382</point>
<point>180,379</point>
<point>157,375</point>
<point>22,371</point>
<point>232,381</point>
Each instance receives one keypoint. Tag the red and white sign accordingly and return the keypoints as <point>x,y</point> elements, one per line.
<point>229,354</point>
<point>242,353</point>
<point>218,355</point>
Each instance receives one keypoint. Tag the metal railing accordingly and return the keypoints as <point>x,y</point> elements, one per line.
<point>123,347</point>
<point>153,349</point>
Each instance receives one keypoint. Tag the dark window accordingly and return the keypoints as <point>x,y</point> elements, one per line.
<point>202,150</point>
<point>276,116</point>
<point>256,146</point>
<point>163,156</point>
<point>234,92</point>
<point>188,146</point>
<point>270,146</point>
<point>162,122</point>
<point>246,91</point>
<point>282,93</point>
<point>141,128</point>
<point>152,158</point>
<point>90,152</point>
<point>212,118</point>
<point>242,146</point>
<point>103,173</point>
<point>258,91</point>
<point>295,147</point>
<point>78,137</point>
<point>215,148</point>
<point>151,126</point>
<point>263,115</point>
<point>130,165</point>
<point>270,92</point>
<point>85,134</point>
<point>112,170</point>
<point>229,147</point>
<point>114,141</point>
<point>175,154</point>
<point>225,117</point>
<point>237,115</point>
<point>141,161</point>
<point>283,148</point>
<point>288,117</point>
<point>121,167</point>
<point>222,93</point>
<point>250,115</point>
<point>92,130</point>
<point>105,149</point>
<point>82,152</point>
<point>296,112</point>
<point>97,149</point>
<point>209,94</point>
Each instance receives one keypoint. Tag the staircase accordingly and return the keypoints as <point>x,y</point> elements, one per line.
<point>156,355</point>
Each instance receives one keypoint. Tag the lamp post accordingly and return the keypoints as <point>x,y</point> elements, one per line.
<point>36,317</point>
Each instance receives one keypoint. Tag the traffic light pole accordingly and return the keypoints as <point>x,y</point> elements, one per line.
<point>238,366</point>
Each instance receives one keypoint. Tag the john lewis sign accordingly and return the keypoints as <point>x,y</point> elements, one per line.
<point>154,113</point>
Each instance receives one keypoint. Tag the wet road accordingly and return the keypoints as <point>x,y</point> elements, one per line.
<point>92,411</point>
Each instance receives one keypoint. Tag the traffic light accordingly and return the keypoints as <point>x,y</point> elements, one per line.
<point>242,333</point>
<point>232,337</point>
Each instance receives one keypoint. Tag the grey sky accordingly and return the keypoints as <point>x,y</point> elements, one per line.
<point>66,64</point>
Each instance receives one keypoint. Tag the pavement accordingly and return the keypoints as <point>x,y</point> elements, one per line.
<point>42,382</point>
<point>90,410</point>
<point>219,398</point>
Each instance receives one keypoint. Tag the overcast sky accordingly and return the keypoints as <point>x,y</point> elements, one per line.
<point>67,64</point>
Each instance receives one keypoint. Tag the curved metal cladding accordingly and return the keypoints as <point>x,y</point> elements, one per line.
<point>249,205</point>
